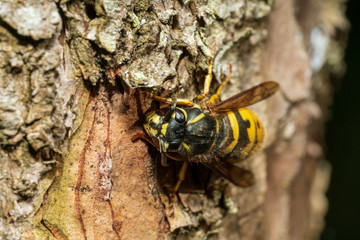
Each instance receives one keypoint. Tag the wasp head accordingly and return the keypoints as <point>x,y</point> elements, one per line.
<point>166,131</point>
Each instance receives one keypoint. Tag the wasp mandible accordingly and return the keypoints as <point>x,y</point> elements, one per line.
<point>211,132</point>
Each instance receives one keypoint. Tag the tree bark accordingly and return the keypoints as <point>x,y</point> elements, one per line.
<point>74,79</point>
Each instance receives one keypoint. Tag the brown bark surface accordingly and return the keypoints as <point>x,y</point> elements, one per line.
<point>74,77</point>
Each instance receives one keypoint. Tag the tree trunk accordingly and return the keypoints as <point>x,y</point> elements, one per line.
<point>74,77</point>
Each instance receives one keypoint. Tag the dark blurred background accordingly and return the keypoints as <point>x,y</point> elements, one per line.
<point>343,143</point>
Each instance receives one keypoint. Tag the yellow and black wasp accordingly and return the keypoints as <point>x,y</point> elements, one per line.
<point>215,134</point>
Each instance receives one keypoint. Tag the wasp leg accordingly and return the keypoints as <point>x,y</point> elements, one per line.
<point>216,97</point>
<point>208,77</point>
<point>207,82</point>
<point>181,178</point>
<point>142,136</point>
<point>179,101</point>
<point>164,161</point>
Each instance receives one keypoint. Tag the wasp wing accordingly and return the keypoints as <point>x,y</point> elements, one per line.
<point>236,175</point>
<point>246,98</point>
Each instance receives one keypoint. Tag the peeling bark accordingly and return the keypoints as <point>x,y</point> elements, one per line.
<point>74,77</point>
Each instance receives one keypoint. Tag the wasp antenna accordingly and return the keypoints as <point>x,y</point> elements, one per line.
<point>169,113</point>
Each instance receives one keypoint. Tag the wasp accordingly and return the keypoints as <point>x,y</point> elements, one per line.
<point>214,133</point>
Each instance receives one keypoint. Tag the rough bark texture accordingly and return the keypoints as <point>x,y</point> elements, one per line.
<point>70,73</point>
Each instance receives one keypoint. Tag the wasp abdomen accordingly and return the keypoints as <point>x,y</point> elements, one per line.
<point>240,134</point>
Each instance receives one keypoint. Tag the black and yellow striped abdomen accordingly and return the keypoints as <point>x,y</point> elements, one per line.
<point>231,136</point>
<point>240,135</point>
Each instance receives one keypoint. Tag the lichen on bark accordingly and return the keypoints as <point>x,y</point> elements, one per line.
<point>33,109</point>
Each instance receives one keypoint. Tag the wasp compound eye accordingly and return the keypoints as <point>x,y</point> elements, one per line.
<point>179,116</point>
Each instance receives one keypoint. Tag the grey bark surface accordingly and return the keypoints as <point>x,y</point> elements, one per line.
<point>74,80</point>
